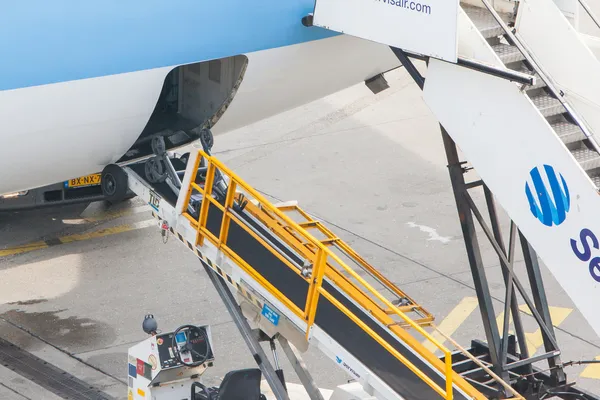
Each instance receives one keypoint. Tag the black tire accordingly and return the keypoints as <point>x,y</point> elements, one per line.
<point>207,139</point>
<point>185,157</point>
<point>114,183</point>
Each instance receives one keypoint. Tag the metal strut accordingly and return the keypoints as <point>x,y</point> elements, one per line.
<point>474,255</point>
<point>301,370</point>
<point>240,321</point>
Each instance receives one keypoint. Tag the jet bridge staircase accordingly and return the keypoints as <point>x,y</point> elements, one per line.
<point>511,54</point>
<point>533,150</point>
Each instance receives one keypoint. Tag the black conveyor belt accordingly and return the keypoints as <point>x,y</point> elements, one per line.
<point>329,318</point>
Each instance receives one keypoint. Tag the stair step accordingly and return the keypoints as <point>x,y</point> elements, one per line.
<point>539,83</point>
<point>588,159</point>
<point>508,53</point>
<point>568,132</point>
<point>548,105</point>
<point>484,21</point>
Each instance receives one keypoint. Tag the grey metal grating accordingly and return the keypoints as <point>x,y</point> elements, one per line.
<point>568,132</point>
<point>588,159</point>
<point>47,375</point>
<point>508,53</point>
<point>548,105</point>
<point>484,21</point>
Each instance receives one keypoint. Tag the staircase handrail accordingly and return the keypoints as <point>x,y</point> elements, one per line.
<point>589,11</point>
<point>545,77</point>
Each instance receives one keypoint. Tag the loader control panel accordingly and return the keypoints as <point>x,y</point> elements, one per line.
<point>186,346</point>
<point>166,365</point>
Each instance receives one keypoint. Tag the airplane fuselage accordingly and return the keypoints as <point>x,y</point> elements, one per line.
<point>82,83</point>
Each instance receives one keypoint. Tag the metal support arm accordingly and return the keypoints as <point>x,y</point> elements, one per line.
<point>240,321</point>
<point>298,364</point>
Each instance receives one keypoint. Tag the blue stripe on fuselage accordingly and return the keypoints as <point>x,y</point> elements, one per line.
<point>62,40</point>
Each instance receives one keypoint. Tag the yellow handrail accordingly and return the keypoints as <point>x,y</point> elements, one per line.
<point>319,262</point>
<point>331,238</point>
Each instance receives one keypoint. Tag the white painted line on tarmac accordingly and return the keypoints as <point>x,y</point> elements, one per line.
<point>432,232</point>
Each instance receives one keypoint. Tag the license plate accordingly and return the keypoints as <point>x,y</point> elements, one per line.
<point>82,181</point>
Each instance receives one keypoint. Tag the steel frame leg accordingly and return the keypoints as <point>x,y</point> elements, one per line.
<point>251,341</point>
<point>498,344</point>
<point>298,364</point>
<point>511,306</point>
<point>541,303</point>
<point>473,253</point>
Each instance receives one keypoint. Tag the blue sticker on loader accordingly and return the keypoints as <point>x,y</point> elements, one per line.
<point>132,371</point>
<point>270,314</point>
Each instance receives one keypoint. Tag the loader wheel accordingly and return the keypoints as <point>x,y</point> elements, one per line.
<point>114,183</point>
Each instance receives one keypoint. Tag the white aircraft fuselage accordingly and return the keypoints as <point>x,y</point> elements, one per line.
<point>83,83</point>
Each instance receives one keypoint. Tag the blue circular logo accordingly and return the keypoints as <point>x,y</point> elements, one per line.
<point>548,196</point>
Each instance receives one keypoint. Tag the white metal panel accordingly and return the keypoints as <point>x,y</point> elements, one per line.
<point>586,24</point>
<point>427,27</point>
<point>567,6</point>
<point>563,55</point>
<point>504,136</point>
<point>592,42</point>
<point>570,9</point>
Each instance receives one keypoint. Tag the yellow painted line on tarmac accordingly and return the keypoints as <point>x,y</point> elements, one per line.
<point>535,340</point>
<point>452,321</point>
<point>112,214</point>
<point>592,371</point>
<point>107,231</point>
<point>23,249</point>
<point>500,323</point>
<point>77,237</point>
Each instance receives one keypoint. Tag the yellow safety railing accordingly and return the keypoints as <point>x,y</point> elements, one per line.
<point>331,240</point>
<point>320,268</point>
